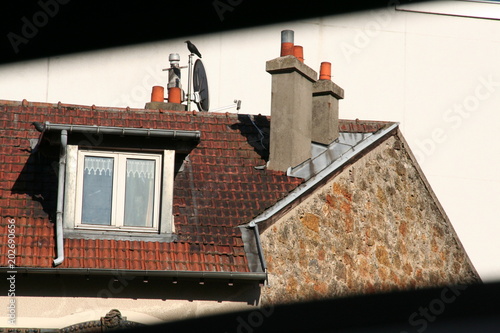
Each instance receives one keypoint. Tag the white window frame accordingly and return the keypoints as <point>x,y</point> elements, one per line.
<point>118,191</point>
<point>163,219</point>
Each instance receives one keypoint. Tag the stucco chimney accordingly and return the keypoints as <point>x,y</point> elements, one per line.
<point>325,107</point>
<point>291,112</point>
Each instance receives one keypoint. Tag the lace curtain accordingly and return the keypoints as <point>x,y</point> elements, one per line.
<point>140,168</point>
<point>97,190</point>
<point>139,192</point>
<point>98,165</point>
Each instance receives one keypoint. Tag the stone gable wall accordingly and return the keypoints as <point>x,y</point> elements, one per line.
<point>375,227</point>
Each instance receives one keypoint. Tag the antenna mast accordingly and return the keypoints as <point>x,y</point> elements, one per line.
<point>189,82</point>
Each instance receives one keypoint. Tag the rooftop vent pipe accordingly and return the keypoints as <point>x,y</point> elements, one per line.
<point>174,79</point>
<point>287,42</point>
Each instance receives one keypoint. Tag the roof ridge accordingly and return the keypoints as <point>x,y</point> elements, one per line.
<point>93,107</point>
<point>25,103</point>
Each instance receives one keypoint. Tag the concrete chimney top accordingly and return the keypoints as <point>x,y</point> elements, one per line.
<point>289,64</point>
<point>303,108</point>
<point>291,103</point>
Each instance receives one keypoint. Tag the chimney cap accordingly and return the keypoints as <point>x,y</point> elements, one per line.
<point>174,57</point>
<point>327,87</point>
<point>289,64</point>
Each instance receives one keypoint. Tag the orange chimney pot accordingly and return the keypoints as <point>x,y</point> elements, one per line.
<point>286,49</point>
<point>158,94</point>
<point>174,95</point>
<point>325,72</point>
<point>298,52</point>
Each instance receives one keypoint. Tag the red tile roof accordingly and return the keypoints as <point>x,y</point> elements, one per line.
<point>218,189</point>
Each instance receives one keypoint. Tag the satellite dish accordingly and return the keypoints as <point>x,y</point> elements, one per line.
<point>200,85</point>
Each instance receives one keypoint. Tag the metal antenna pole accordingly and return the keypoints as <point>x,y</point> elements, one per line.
<point>189,82</point>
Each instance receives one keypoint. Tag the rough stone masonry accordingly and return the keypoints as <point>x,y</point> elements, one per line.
<point>374,227</point>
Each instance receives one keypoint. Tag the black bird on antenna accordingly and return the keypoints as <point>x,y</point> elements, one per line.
<point>192,48</point>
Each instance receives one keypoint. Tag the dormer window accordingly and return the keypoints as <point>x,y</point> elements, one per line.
<point>117,181</point>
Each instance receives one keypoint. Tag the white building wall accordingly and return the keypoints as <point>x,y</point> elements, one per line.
<point>60,312</point>
<point>437,75</point>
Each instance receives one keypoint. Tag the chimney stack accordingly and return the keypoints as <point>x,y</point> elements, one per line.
<point>174,89</point>
<point>291,107</point>
<point>325,107</point>
<point>303,109</point>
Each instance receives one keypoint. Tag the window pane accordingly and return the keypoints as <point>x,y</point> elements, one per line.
<point>97,190</point>
<point>139,192</point>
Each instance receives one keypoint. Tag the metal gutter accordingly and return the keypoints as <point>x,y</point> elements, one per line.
<point>313,181</point>
<point>123,131</point>
<point>250,276</point>
<point>323,156</point>
<point>60,200</point>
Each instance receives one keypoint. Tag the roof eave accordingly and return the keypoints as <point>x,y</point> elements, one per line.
<point>93,129</point>
<point>179,275</point>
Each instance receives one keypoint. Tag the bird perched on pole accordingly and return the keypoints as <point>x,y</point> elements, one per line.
<point>192,48</point>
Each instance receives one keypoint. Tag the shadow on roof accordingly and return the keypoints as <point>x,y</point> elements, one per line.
<point>256,129</point>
